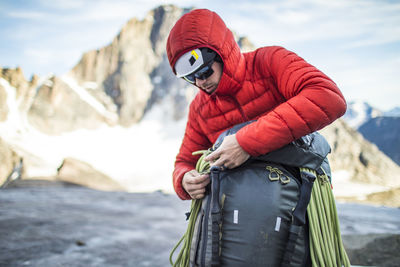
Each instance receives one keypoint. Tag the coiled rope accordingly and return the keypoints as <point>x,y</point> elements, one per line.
<point>326,246</point>
<point>182,260</point>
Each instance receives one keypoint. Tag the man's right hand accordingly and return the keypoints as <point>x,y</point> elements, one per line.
<point>195,184</point>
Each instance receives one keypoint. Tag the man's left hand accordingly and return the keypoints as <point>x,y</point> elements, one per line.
<point>229,155</point>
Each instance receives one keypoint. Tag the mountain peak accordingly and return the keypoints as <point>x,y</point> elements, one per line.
<point>15,77</point>
<point>358,112</point>
<point>124,69</point>
<point>394,112</point>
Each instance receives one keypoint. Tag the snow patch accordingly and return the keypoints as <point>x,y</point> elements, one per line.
<point>90,85</point>
<point>360,112</point>
<point>88,98</point>
<point>141,158</point>
<point>343,186</point>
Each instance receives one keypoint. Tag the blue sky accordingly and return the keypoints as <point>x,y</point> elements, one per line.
<point>356,43</point>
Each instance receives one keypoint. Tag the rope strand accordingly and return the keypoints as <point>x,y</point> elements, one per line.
<point>182,260</point>
<point>324,226</point>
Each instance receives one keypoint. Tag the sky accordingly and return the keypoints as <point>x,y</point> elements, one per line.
<point>356,43</point>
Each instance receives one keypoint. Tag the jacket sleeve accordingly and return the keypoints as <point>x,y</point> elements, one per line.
<point>312,101</point>
<point>193,140</point>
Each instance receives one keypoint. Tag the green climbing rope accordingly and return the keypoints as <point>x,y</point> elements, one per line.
<point>182,260</point>
<point>326,246</point>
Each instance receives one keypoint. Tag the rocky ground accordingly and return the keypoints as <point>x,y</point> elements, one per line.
<point>58,224</point>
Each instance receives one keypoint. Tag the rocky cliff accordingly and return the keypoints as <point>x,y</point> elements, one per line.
<point>11,167</point>
<point>56,108</point>
<point>22,91</point>
<point>380,128</point>
<point>50,104</point>
<point>134,70</point>
<point>362,173</point>
<point>133,65</point>
<point>362,159</point>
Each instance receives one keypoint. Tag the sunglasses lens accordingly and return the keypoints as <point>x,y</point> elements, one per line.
<point>204,73</point>
<point>190,78</point>
<point>201,74</point>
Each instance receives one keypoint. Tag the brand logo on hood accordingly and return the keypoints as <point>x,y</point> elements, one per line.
<point>193,58</point>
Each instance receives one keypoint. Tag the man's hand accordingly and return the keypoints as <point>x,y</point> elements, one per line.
<point>229,155</point>
<point>195,184</point>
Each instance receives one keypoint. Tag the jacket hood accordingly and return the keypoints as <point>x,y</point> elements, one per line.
<point>204,28</point>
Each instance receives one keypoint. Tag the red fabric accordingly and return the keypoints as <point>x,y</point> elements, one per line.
<point>288,97</point>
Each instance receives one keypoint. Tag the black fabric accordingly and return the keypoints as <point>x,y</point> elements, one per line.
<point>255,214</point>
<point>309,151</point>
<point>264,214</point>
<point>216,215</point>
<point>299,214</point>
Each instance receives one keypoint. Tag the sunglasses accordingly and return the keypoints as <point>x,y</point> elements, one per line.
<point>202,74</point>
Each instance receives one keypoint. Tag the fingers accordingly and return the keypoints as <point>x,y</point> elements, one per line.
<point>222,162</point>
<point>199,180</point>
<point>229,155</point>
<point>195,184</point>
<point>198,194</point>
<point>213,156</point>
<point>217,158</point>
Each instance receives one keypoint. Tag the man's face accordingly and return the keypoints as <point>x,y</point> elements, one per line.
<point>210,84</point>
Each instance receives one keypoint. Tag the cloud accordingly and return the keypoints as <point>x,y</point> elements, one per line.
<point>43,62</point>
<point>367,22</point>
<point>27,14</point>
<point>79,11</point>
<point>376,83</point>
<point>89,10</point>
<point>64,4</point>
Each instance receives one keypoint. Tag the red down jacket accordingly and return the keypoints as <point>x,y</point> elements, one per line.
<point>287,96</point>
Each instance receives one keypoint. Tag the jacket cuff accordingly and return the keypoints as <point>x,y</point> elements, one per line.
<point>178,177</point>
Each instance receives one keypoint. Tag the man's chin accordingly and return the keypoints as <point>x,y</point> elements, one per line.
<point>210,90</point>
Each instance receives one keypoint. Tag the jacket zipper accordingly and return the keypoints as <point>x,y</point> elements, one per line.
<point>239,107</point>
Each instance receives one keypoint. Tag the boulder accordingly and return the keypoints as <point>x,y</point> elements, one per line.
<point>57,108</point>
<point>10,164</point>
<point>81,173</point>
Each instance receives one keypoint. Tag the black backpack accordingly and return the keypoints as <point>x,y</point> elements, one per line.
<point>255,214</point>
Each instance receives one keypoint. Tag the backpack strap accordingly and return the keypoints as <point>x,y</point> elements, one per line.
<point>216,216</point>
<point>308,177</point>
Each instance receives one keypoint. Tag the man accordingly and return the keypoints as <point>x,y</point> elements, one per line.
<point>287,97</point>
